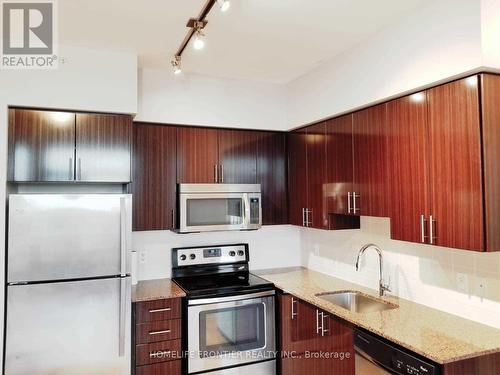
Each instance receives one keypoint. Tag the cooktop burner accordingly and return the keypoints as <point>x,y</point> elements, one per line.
<point>215,271</point>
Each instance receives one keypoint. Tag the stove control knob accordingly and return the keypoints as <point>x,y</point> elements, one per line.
<point>232,253</point>
<point>241,253</point>
<point>192,256</point>
<point>183,257</point>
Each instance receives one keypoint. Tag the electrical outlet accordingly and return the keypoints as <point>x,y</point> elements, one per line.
<point>143,257</point>
<point>463,283</point>
<point>481,287</point>
<point>316,250</point>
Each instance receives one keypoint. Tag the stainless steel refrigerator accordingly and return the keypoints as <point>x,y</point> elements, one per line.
<point>68,293</point>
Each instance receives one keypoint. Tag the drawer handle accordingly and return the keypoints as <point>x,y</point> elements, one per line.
<point>159,354</point>
<point>160,310</point>
<point>159,332</point>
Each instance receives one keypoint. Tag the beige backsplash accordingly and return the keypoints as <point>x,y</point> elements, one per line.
<point>421,273</point>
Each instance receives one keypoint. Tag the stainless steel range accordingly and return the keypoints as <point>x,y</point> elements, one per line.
<point>229,314</point>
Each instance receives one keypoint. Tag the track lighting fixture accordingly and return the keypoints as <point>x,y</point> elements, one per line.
<point>224,5</point>
<point>196,26</point>
<point>176,65</point>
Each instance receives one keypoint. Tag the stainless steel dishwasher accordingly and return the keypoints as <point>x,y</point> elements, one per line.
<point>376,356</point>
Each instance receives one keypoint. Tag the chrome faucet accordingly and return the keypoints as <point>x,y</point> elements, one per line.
<point>382,286</point>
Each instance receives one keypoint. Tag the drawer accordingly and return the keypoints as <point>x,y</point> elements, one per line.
<point>162,309</point>
<point>165,368</point>
<point>161,330</point>
<point>163,351</point>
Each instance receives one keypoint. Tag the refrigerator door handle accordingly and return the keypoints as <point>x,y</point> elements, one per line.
<point>123,237</point>
<point>123,316</point>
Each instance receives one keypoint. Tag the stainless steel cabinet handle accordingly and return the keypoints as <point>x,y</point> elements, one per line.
<point>222,173</point>
<point>173,219</point>
<point>159,332</point>
<point>349,196</point>
<point>80,169</point>
<point>294,314</point>
<point>160,310</point>
<point>354,207</point>
<point>323,329</point>
<point>431,230</point>
<point>308,222</point>
<point>422,228</point>
<point>318,320</point>
<point>303,217</point>
<point>216,173</point>
<point>123,317</point>
<point>159,354</point>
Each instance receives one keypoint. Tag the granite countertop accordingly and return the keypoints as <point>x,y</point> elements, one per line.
<point>437,335</point>
<point>150,290</point>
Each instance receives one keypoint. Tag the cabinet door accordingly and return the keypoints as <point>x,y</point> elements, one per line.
<point>154,185</point>
<point>238,156</point>
<point>339,164</point>
<point>316,176</point>
<point>409,160</point>
<point>303,344</point>
<point>197,155</point>
<point>103,147</point>
<point>41,146</point>
<point>456,178</point>
<point>371,172</point>
<point>272,176</point>
<point>490,97</point>
<point>297,176</point>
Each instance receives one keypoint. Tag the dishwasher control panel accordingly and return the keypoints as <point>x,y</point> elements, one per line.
<point>391,357</point>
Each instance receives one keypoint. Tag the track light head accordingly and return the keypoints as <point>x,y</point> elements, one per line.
<point>224,5</point>
<point>198,42</point>
<point>176,65</point>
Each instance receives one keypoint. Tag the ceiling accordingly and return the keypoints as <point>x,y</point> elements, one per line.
<point>264,40</point>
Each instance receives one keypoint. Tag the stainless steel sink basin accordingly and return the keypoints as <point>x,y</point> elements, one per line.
<point>356,301</point>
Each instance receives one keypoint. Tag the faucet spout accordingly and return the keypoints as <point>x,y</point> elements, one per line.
<point>382,286</point>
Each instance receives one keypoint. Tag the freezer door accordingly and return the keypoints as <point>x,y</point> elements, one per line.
<point>57,237</point>
<point>70,328</point>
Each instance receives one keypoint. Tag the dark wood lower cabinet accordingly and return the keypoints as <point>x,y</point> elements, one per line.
<point>313,341</point>
<point>485,365</point>
<point>157,346</point>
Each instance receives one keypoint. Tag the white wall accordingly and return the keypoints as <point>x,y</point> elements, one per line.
<point>421,273</point>
<point>438,41</point>
<point>270,247</point>
<point>490,33</point>
<point>192,99</point>
<point>89,80</point>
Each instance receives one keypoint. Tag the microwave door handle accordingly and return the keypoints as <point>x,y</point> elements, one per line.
<point>246,206</point>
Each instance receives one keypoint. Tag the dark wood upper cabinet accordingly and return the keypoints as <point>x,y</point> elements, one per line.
<point>371,172</point>
<point>197,155</point>
<point>272,176</point>
<point>154,184</point>
<point>41,146</point>
<point>297,177</point>
<point>409,159</point>
<point>490,96</point>
<point>103,147</point>
<point>237,156</point>
<point>339,165</point>
<point>316,215</point>
<point>455,167</point>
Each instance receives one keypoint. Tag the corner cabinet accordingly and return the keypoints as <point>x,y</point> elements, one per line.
<point>313,341</point>
<point>56,146</point>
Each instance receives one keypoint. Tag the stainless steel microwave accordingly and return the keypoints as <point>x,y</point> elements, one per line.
<point>218,207</point>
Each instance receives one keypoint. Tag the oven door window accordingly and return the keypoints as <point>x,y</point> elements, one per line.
<point>214,211</point>
<point>232,329</point>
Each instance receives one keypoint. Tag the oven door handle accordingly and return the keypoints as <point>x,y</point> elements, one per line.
<point>208,301</point>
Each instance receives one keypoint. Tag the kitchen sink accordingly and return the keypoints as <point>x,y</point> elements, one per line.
<point>356,301</point>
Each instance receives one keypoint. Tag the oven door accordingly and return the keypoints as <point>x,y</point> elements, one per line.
<point>230,331</point>
<point>213,212</point>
